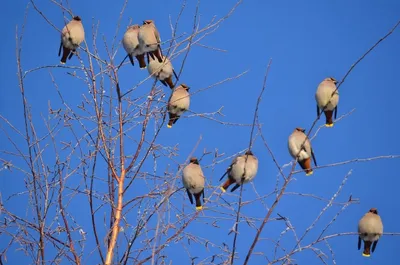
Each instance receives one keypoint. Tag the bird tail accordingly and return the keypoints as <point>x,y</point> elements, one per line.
<point>198,201</point>
<point>172,119</point>
<point>141,60</point>
<point>306,165</point>
<point>170,123</point>
<point>328,116</point>
<point>169,82</point>
<point>226,185</point>
<point>367,249</point>
<point>64,57</point>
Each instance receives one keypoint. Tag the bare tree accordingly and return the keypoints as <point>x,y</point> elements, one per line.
<point>104,155</point>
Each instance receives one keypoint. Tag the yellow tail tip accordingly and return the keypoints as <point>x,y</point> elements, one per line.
<point>309,173</point>
<point>366,255</point>
<point>329,125</point>
<point>198,208</point>
<point>222,189</point>
<point>169,126</point>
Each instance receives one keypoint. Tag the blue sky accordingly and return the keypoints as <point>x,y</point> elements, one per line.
<point>307,42</point>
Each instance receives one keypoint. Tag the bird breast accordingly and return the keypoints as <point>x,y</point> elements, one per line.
<point>147,39</point>
<point>370,227</point>
<point>131,43</point>
<point>73,35</point>
<point>193,178</point>
<point>237,170</point>
<point>159,71</point>
<point>294,145</point>
<point>324,94</point>
<point>179,102</point>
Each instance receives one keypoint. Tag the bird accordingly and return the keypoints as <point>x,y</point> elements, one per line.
<point>178,103</point>
<point>150,40</point>
<point>327,95</point>
<point>72,36</point>
<point>242,170</point>
<point>161,71</point>
<point>370,229</point>
<point>301,152</point>
<point>131,45</point>
<point>193,181</point>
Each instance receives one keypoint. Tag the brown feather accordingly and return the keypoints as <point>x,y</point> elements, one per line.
<point>367,248</point>
<point>172,119</point>
<point>198,200</point>
<point>66,52</point>
<point>306,165</point>
<point>141,60</point>
<point>328,116</point>
<point>227,183</point>
<point>169,82</point>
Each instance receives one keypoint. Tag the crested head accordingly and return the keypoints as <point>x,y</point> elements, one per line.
<point>77,18</point>
<point>185,87</point>
<point>249,153</point>
<point>194,160</point>
<point>331,79</point>
<point>299,129</point>
<point>148,22</point>
<point>373,210</point>
<point>136,26</point>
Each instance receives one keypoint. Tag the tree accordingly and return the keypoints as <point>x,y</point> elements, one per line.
<point>102,173</point>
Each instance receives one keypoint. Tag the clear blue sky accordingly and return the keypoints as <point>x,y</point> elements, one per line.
<point>307,42</point>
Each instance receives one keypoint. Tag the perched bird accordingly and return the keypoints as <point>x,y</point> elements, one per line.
<point>178,103</point>
<point>243,168</point>
<point>161,71</point>
<point>193,181</point>
<point>302,153</point>
<point>370,229</point>
<point>150,40</point>
<point>327,95</point>
<point>72,36</point>
<point>131,45</point>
